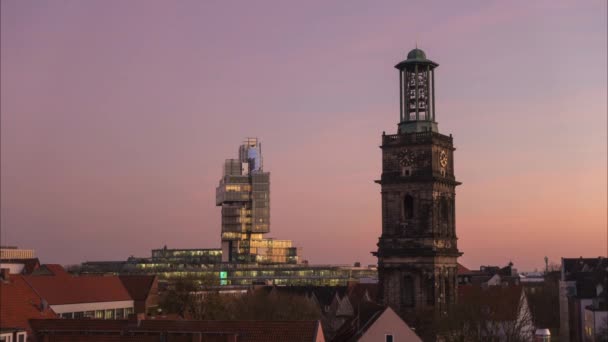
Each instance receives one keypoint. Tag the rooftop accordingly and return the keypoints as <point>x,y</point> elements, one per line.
<point>59,287</point>
<point>20,303</point>
<point>246,331</point>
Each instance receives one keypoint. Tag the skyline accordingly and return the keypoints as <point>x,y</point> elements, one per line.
<point>116,119</point>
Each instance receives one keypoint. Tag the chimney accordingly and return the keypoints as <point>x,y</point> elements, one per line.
<point>44,305</point>
<point>5,273</point>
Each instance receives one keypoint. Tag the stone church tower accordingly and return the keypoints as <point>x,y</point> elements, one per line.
<point>417,252</point>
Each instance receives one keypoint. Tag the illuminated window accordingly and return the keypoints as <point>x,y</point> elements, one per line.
<point>109,314</point>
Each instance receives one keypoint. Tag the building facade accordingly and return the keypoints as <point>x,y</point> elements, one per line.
<point>12,252</point>
<point>244,195</point>
<point>417,251</point>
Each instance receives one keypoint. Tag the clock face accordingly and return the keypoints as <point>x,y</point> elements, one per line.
<point>405,157</point>
<point>443,158</point>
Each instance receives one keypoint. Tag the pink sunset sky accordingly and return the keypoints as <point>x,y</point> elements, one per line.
<point>116,117</point>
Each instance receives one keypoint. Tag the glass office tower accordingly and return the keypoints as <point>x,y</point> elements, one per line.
<point>244,195</point>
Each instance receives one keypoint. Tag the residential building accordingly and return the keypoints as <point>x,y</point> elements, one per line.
<point>376,323</point>
<point>20,266</point>
<point>19,303</point>
<point>103,297</point>
<point>12,252</point>
<point>169,330</point>
<point>488,276</point>
<point>595,328</point>
<point>583,284</point>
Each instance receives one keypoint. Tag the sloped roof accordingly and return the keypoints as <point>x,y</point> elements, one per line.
<point>138,286</point>
<point>19,303</point>
<point>63,288</point>
<point>324,294</point>
<point>246,331</point>
<point>462,269</point>
<point>357,292</point>
<point>368,312</point>
<point>500,303</point>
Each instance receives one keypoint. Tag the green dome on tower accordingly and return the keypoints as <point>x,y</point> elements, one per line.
<point>416,54</point>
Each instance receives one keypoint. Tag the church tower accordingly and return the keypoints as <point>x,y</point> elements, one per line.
<point>417,251</point>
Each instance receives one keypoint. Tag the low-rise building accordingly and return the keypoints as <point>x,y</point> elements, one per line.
<point>69,296</point>
<point>18,304</point>
<point>595,328</point>
<point>583,282</point>
<point>20,266</point>
<point>376,323</point>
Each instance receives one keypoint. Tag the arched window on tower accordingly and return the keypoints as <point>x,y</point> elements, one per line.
<point>408,207</point>
<point>444,209</point>
<point>430,291</point>
<point>407,295</point>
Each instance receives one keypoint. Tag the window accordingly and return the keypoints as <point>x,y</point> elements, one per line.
<point>67,315</point>
<point>444,209</point>
<point>21,337</point>
<point>120,313</point>
<point>408,292</point>
<point>430,291</point>
<point>99,314</point>
<point>109,314</point>
<point>6,338</point>
<point>78,315</point>
<point>408,207</point>
<point>89,314</point>
<point>388,338</point>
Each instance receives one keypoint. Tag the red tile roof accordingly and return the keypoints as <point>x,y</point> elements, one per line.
<point>63,288</point>
<point>19,303</point>
<point>57,270</point>
<point>462,269</point>
<point>246,331</point>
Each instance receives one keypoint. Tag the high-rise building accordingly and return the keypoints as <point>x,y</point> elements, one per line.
<point>244,195</point>
<point>417,251</point>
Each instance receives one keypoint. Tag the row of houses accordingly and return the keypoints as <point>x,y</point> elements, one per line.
<point>46,303</point>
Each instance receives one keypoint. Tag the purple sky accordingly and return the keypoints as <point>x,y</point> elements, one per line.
<point>117,116</point>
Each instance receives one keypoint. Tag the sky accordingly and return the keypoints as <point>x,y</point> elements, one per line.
<point>116,117</point>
